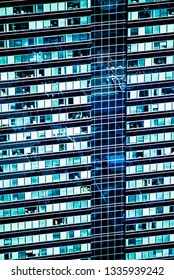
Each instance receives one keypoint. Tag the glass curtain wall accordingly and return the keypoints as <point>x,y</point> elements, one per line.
<point>108,129</point>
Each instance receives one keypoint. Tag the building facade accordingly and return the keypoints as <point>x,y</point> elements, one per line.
<point>45,129</point>
<point>149,130</point>
<point>86,137</point>
<point>108,129</point>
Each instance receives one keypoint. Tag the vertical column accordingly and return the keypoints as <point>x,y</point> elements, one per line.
<point>109,83</point>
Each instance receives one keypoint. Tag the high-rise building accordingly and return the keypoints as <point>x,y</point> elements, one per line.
<point>108,129</point>
<point>45,129</point>
<point>149,130</point>
<point>86,141</point>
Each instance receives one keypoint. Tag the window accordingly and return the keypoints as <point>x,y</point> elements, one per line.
<point>170,12</point>
<point>73,21</point>
<point>56,235</point>
<point>7,241</point>
<point>2,44</point>
<point>156,45</point>
<point>54,23</point>
<point>73,5</point>
<point>148,30</point>
<point>42,252</point>
<point>133,63</point>
<point>139,154</point>
<point>77,248</point>
<point>7,256</point>
<point>143,14</point>
<point>27,9</point>
<point>159,210</point>
<point>39,8</point>
<point>18,196</point>
<point>1,27</point>
<point>134,31</point>
<point>160,60</point>
<point>71,234</point>
<point>139,169</point>
<point>135,125</point>
<point>30,210</point>
<point>132,242</point>
<point>62,147</point>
